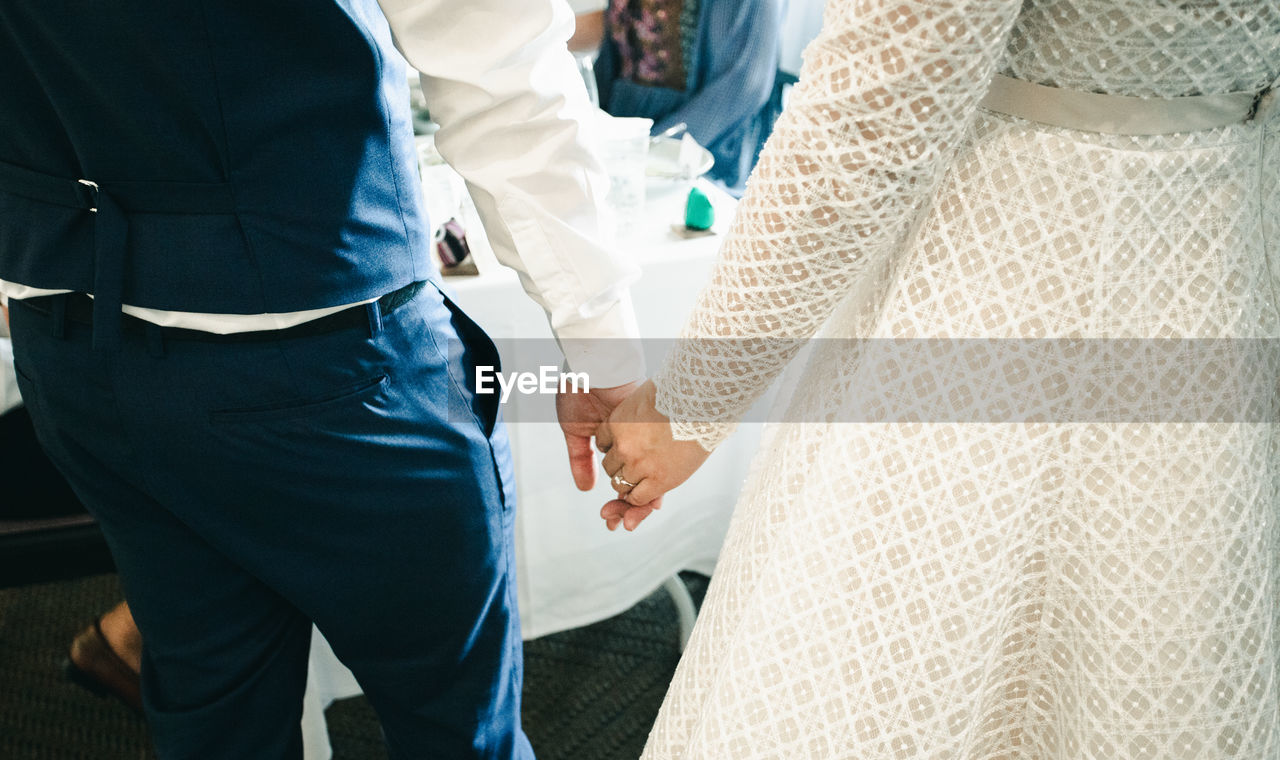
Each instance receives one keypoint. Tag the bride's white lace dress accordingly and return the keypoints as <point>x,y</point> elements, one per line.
<point>992,589</point>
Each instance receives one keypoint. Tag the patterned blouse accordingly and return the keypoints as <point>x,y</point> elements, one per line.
<point>653,39</point>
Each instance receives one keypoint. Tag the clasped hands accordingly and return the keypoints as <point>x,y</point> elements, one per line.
<point>642,458</point>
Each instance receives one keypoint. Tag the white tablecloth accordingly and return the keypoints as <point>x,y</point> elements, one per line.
<point>571,571</point>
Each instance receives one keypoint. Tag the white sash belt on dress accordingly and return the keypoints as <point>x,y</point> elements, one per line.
<point>1123,114</point>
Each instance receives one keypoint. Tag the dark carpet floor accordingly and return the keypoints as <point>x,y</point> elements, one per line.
<point>590,693</point>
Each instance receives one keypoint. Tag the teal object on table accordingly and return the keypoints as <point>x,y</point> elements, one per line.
<point>698,212</point>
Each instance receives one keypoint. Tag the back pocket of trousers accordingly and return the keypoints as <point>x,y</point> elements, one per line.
<point>296,408</point>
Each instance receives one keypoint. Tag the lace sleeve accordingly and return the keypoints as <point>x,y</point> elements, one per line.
<point>885,94</point>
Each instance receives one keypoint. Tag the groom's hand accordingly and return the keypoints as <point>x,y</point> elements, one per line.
<point>580,414</point>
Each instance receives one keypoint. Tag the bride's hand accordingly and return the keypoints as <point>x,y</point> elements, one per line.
<point>642,459</point>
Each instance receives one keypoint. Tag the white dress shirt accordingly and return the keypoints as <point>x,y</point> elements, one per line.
<point>516,124</point>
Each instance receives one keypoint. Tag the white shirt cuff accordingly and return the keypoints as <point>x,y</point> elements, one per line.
<point>606,347</point>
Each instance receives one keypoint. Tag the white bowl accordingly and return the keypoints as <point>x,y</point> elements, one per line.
<point>664,159</point>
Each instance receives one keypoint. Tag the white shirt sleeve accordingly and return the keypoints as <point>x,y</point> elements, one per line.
<point>516,124</point>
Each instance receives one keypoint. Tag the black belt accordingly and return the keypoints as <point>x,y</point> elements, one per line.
<point>79,309</point>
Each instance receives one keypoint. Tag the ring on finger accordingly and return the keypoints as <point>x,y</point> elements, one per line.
<point>618,480</point>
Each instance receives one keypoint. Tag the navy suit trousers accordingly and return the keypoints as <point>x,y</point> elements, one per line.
<point>248,489</point>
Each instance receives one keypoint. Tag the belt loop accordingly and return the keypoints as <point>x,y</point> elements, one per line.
<point>58,315</point>
<point>374,310</point>
<point>155,341</point>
